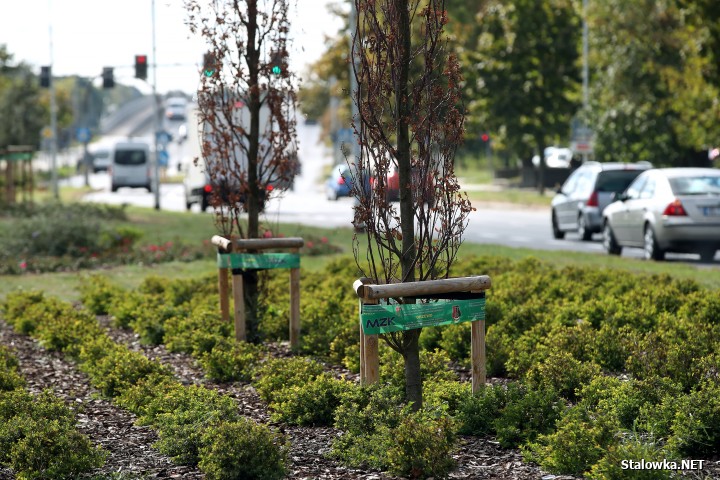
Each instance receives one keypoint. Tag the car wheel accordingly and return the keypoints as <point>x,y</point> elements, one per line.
<point>650,245</point>
<point>707,255</point>
<point>113,188</point>
<point>583,231</point>
<point>609,241</point>
<point>557,233</point>
<point>204,204</point>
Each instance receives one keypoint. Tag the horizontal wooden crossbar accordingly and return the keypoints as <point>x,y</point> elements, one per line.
<point>418,289</point>
<point>227,245</point>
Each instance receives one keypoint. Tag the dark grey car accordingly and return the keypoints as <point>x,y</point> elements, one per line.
<point>579,203</point>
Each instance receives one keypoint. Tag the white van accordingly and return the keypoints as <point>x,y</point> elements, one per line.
<point>131,165</point>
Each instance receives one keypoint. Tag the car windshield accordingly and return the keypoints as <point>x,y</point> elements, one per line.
<point>615,180</point>
<point>130,157</point>
<point>696,185</point>
<point>102,154</point>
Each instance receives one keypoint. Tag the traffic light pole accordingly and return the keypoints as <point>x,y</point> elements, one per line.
<point>53,128</point>
<point>156,123</point>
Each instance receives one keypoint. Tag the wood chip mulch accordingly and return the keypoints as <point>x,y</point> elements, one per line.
<point>130,446</point>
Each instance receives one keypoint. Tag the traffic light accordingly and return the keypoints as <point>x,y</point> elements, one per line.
<point>277,64</point>
<point>209,64</point>
<point>141,67</point>
<point>108,78</point>
<point>45,77</point>
<point>485,137</point>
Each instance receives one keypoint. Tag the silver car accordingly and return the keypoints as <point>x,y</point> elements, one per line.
<point>667,210</point>
<point>579,203</point>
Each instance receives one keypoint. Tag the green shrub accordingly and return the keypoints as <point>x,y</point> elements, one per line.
<point>455,341</point>
<point>97,294</point>
<point>579,442</point>
<point>150,324</point>
<point>527,414</point>
<point>9,377</point>
<point>445,395</point>
<point>139,396</point>
<point>197,332</point>
<point>632,448</point>
<point>119,369</point>
<point>696,425</point>
<point>279,373</point>
<point>434,366</point>
<point>38,438</point>
<point>311,403</point>
<point>66,329</point>
<point>562,373</point>
<point>182,415</point>
<point>127,307</point>
<point>477,413</point>
<point>367,417</point>
<point>15,307</point>
<point>243,450</point>
<point>423,446</point>
<point>231,361</point>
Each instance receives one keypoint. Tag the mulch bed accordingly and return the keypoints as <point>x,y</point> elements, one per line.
<point>130,446</point>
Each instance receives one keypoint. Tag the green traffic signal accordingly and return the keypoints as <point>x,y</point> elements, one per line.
<point>209,72</point>
<point>276,70</point>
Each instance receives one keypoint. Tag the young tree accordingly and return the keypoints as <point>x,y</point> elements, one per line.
<point>409,119</point>
<point>246,104</point>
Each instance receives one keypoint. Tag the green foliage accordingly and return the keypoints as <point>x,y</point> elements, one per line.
<point>577,444</point>
<point>434,366</point>
<point>243,450</point>
<point>423,446</point>
<point>447,396</point>
<point>10,379</point>
<point>97,294</point>
<point>632,448</point>
<point>197,332</point>
<point>696,424</point>
<point>311,403</point>
<point>477,413</point>
<point>278,373</point>
<point>38,438</point>
<point>527,414</point>
<point>367,416</point>
<point>181,415</point>
<point>231,361</point>
<point>129,306</point>
<point>114,369</point>
<point>561,373</point>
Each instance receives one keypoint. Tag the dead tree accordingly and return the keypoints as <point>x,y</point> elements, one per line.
<point>246,109</point>
<point>410,119</point>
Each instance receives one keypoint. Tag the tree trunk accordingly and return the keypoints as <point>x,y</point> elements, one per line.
<point>411,351</point>
<point>253,196</point>
<point>539,141</point>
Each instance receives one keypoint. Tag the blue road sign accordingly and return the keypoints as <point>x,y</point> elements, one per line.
<point>163,158</point>
<point>83,135</point>
<point>163,137</point>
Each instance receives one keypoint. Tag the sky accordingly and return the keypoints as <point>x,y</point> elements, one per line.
<point>88,35</point>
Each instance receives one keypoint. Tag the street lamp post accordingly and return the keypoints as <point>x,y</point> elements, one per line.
<point>156,122</point>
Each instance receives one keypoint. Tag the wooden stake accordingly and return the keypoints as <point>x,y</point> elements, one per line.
<point>239,301</point>
<point>477,351</point>
<point>224,292</point>
<point>372,357</point>
<point>294,306</point>
<point>363,379</point>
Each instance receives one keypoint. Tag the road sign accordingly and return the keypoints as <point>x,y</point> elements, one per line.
<point>47,132</point>
<point>163,137</point>
<point>581,147</point>
<point>83,135</point>
<point>163,158</point>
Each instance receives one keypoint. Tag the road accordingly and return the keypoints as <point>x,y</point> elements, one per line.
<point>307,205</point>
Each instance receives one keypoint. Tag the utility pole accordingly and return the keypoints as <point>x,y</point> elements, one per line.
<point>353,80</point>
<point>156,123</point>
<point>585,75</point>
<point>53,122</point>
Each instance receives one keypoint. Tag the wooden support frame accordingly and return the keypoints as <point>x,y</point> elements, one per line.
<point>224,246</point>
<point>371,294</point>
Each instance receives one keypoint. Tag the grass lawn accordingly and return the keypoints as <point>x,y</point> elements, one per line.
<point>161,226</point>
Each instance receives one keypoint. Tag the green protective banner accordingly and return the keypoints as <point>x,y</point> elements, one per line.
<point>376,319</point>
<point>259,261</point>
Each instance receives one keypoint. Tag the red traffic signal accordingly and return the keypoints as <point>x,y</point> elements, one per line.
<point>141,67</point>
<point>485,137</point>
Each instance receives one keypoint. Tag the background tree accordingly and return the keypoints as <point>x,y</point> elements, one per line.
<point>247,112</point>
<point>408,96</point>
<point>525,73</point>
<point>655,85</point>
<point>21,114</point>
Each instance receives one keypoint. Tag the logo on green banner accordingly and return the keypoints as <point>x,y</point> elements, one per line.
<point>262,261</point>
<point>377,319</point>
